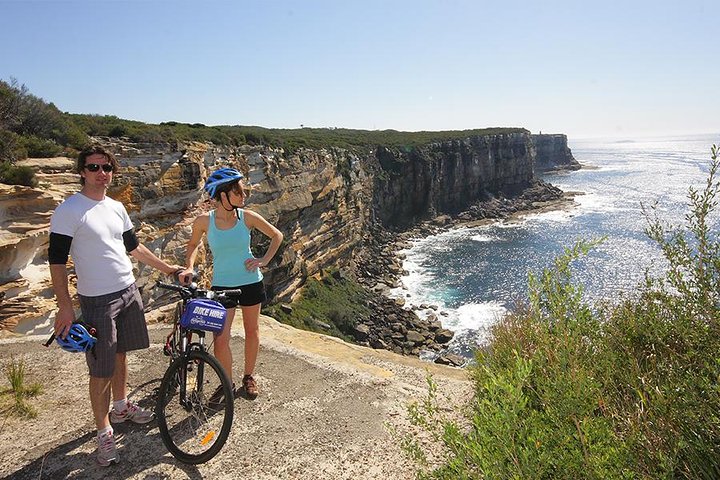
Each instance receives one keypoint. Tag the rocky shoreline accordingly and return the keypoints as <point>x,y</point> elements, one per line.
<point>379,268</point>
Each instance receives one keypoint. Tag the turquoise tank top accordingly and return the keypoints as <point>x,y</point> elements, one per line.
<point>230,248</point>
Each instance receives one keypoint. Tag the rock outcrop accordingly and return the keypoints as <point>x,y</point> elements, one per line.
<point>450,176</point>
<point>553,153</point>
<point>25,293</point>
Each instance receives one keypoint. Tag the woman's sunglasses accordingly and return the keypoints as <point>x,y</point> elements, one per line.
<point>94,167</point>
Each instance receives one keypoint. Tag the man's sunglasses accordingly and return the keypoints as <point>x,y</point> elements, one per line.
<point>94,167</point>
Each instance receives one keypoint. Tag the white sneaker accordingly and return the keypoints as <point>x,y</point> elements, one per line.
<point>133,413</point>
<point>107,450</point>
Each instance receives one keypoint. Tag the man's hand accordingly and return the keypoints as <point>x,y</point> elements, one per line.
<point>64,319</point>
<point>175,270</point>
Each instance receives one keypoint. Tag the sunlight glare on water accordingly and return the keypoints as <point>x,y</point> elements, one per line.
<point>475,275</point>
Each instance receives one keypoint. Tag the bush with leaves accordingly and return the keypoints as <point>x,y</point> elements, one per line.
<point>37,147</point>
<point>43,128</point>
<point>571,390</point>
<point>10,147</point>
<point>14,175</point>
<point>669,345</point>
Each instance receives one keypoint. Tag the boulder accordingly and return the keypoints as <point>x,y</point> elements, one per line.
<point>443,335</point>
<point>451,359</point>
<point>414,337</point>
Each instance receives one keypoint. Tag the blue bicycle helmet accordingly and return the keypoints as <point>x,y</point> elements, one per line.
<point>79,339</point>
<point>221,177</point>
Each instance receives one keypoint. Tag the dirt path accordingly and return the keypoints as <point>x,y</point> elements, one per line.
<point>323,413</point>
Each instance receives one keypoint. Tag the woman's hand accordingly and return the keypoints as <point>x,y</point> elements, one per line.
<point>253,264</point>
<point>185,276</point>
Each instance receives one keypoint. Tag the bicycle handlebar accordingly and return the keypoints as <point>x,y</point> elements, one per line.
<point>176,288</point>
<point>228,293</point>
<point>192,291</point>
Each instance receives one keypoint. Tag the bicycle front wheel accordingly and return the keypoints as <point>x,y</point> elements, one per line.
<point>195,407</point>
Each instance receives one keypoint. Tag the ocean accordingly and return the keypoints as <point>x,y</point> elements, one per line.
<point>473,276</point>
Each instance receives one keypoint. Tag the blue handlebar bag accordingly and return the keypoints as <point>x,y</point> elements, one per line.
<point>204,314</point>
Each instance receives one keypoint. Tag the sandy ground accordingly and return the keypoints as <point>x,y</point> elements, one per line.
<point>325,411</point>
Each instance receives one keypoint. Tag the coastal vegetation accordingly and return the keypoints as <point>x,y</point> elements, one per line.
<point>330,304</point>
<point>289,139</point>
<point>569,389</point>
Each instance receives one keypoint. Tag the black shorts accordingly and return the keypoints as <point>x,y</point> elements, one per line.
<point>252,294</point>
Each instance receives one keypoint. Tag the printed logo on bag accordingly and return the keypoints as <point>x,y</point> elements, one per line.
<point>204,314</point>
<point>208,312</point>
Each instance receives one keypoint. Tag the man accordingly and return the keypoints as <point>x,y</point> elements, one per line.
<point>97,232</point>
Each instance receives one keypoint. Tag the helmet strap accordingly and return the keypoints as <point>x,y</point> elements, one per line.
<point>227,198</point>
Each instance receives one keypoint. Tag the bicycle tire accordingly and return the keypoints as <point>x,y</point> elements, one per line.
<point>195,432</point>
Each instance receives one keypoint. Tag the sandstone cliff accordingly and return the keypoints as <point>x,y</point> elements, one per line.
<point>326,201</point>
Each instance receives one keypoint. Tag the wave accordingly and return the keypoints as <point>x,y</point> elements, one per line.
<point>475,316</point>
<point>480,237</point>
<point>551,216</point>
<point>592,202</point>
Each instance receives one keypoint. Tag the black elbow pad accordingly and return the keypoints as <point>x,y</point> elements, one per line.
<point>59,249</point>
<point>130,240</point>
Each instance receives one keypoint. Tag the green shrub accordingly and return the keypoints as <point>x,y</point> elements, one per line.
<point>32,117</point>
<point>44,128</point>
<point>289,139</point>
<point>14,175</point>
<point>37,147</point>
<point>10,148</point>
<point>669,344</point>
<point>117,131</point>
<point>572,390</point>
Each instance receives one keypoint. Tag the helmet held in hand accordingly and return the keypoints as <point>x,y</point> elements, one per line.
<point>80,338</point>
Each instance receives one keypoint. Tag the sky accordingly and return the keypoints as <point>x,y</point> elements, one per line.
<point>586,69</point>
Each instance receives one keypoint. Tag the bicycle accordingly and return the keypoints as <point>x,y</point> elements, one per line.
<point>195,403</point>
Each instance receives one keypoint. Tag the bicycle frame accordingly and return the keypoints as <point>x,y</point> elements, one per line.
<point>179,343</point>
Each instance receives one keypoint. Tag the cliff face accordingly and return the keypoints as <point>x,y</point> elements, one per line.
<point>553,153</point>
<point>450,176</point>
<point>324,201</point>
<point>319,199</point>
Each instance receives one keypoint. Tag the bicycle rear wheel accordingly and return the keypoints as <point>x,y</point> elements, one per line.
<point>195,407</point>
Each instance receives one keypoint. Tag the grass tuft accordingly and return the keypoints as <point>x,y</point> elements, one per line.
<point>15,399</point>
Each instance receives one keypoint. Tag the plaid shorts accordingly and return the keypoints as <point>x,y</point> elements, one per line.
<point>120,323</point>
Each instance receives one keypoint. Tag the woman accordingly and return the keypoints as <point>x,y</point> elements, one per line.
<point>228,228</point>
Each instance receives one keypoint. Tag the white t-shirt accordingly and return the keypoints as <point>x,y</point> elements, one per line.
<point>97,248</point>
